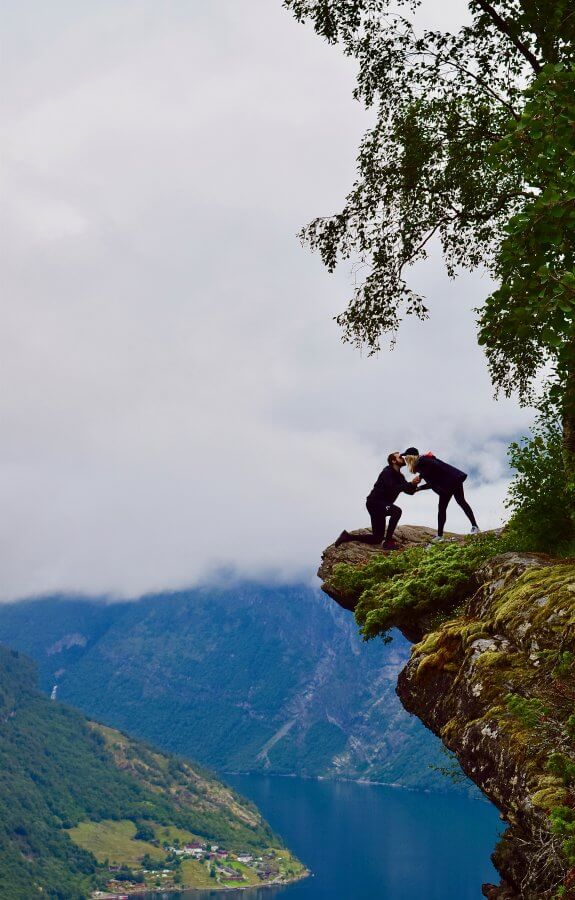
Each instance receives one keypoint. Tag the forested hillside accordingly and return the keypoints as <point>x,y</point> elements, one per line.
<point>244,679</point>
<point>62,777</point>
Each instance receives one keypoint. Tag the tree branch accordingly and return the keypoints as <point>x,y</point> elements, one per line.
<point>449,61</point>
<point>503,26</point>
<point>414,253</point>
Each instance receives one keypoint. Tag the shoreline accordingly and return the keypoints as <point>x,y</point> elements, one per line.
<point>364,781</point>
<point>167,892</point>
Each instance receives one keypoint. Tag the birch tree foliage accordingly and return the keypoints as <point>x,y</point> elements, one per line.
<point>530,319</point>
<point>441,161</point>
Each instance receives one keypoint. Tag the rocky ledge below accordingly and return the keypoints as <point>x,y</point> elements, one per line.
<point>358,555</point>
<point>495,680</point>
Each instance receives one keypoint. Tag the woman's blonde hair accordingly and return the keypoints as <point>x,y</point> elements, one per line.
<point>411,462</point>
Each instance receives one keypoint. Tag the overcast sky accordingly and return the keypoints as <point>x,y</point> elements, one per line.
<point>175,396</point>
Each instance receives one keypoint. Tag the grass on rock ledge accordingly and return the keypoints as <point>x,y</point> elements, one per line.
<point>396,588</point>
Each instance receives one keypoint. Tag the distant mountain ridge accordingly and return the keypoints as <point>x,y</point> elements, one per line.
<point>246,678</point>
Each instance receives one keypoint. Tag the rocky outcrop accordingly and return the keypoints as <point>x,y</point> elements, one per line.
<point>355,554</point>
<point>359,554</point>
<point>495,681</point>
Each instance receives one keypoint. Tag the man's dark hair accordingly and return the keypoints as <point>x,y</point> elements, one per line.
<point>391,458</point>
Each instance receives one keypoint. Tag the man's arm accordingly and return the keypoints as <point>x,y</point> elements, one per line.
<point>409,487</point>
<point>419,486</point>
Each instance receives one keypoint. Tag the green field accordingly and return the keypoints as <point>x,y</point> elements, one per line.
<point>196,875</point>
<point>170,834</point>
<point>114,841</point>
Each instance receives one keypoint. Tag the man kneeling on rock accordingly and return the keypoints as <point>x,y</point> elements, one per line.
<point>381,505</point>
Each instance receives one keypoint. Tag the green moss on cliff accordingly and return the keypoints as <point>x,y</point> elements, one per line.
<point>540,604</point>
<point>520,662</point>
<point>395,588</point>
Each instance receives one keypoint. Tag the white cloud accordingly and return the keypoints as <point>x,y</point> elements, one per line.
<point>176,394</point>
<point>46,221</point>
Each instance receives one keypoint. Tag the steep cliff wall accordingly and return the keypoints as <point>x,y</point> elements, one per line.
<point>492,674</point>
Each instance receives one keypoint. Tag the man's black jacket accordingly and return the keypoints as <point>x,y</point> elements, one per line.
<point>438,475</point>
<point>388,487</point>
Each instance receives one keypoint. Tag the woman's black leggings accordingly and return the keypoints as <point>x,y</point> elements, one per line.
<point>444,498</point>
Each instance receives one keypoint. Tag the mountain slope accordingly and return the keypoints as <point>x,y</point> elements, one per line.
<point>247,678</point>
<point>59,772</point>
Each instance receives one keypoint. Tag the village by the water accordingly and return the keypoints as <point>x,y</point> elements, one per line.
<point>200,865</point>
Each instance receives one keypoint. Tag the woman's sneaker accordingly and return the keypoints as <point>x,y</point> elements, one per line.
<point>475,529</point>
<point>438,539</point>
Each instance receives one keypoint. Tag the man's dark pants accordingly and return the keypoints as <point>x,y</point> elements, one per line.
<point>379,512</point>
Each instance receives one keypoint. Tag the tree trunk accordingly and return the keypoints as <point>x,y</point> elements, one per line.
<point>568,421</point>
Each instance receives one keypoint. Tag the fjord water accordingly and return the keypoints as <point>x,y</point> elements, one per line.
<point>368,842</point>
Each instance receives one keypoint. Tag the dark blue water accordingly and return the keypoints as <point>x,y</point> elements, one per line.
<point>366,842</point>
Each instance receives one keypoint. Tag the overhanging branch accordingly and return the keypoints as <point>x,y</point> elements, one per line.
<point>504,27</point>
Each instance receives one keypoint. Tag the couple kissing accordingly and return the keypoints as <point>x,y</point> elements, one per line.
<point>445,480</point>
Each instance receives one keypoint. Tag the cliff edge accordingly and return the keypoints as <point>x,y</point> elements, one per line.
<point>491,673</point>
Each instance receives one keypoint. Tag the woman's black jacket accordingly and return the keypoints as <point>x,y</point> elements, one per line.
<point>438,475</point>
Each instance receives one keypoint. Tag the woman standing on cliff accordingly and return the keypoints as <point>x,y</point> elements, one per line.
<point>445,480</point>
